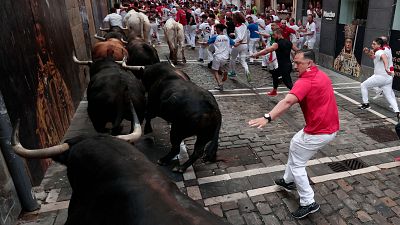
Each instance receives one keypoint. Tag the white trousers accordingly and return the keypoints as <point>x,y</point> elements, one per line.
<point>190,33</point>
<point>206,53</point>
<point>154,29</point>
<point>240,51</point>
<point>302,147</point>
<point>252,47</point>
<point>385,83</point>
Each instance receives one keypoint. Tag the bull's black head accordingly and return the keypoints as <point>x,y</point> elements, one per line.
<point>97,66</point>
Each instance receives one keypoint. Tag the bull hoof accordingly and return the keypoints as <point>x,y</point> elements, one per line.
<point>184,60</point>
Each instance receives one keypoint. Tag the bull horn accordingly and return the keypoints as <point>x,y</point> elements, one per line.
<point>104,29</point>
<point>35,153</point>
<point>99,37</point>
<point>123,41</point>
<point>76,60</point>
<point>125,28</point>
<point>137,129</point>
<point>132,67</point>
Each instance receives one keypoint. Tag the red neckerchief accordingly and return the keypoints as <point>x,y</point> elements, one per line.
<point>239,24</point>
<point>381,48</point>
<point>386,46</point>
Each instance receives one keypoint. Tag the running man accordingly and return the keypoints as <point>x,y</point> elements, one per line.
<point>381,78</point>
<point>283,48</point>
<point>314,92</point>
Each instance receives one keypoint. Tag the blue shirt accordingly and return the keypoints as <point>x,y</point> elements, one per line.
<point>253,28</point>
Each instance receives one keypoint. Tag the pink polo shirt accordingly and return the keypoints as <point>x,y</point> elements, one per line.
<point>314,91</point>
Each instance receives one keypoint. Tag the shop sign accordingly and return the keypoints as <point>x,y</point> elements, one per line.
<point>329,15</point>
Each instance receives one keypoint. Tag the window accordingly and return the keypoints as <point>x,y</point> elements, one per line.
<point>396,19</point>
<point>312,7</point>
<point>353,12</point>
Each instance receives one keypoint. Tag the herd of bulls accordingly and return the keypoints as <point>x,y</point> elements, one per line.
<point>112,181</point>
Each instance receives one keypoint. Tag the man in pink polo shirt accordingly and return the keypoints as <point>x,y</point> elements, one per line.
<point>313,91</point>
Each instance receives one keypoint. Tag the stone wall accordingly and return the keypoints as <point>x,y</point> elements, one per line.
<point>9,204</point>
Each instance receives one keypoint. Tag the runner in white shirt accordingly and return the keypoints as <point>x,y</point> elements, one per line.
<point>114,19</point>
<point>311,33</point>
<point>388,51</point>
<point>154,28</point>
<point>381,78</point>
<point>222,45</point>
<point>294,37</point>
<point>205,30</point>
<point>240,46</point>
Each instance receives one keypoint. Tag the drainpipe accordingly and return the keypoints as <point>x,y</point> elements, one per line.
<point>14,163</point>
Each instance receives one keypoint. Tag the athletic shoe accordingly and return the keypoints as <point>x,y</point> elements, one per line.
<point>272,93</point>
<point>378,95</point>
<point>364,106</point>
<point>219,87</point>
<point>232,74</point>
<point>250,63</point>
<point>193,48</point>
<point>209,65</point>
<point>224,76</point>
<point>287,186</point>
<point>200,60</point>
<point>248,76</point>
<point>264,68</point>
<point>303,211</point>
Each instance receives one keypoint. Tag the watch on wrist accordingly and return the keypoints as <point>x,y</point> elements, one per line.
<point>268,117</point>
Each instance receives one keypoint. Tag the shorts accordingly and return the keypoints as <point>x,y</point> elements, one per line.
<point>219,64</point>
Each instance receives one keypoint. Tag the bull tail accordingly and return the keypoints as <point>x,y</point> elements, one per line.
<point>212,147</point>
<point>116,126</point>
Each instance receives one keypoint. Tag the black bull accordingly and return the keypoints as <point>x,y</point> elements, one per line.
<point>114,183</point>
<point>191,110</point>
<point>111,93</point>
<point>140,54</point>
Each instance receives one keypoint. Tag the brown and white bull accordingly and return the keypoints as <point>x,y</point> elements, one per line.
<point>114,46</point>
<point>175,38</point>
<point>138,23</point>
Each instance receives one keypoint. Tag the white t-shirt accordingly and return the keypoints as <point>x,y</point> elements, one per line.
<point>379,67</point>
<point>222,47</point>
<point>254,17</point>
<point>310,28</point>
<point>205,29</point>
<point>388,52</point>
<point>241,33</point>
<point>114,19</point>
<point>261,25</point>
<point>165,13</point>
<point>293,37</point>
<point>268,30</point>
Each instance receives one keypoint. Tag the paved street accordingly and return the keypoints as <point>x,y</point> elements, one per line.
<point>239,187</point>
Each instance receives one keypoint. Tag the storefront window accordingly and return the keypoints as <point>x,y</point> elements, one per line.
<point>396,19</point>
<point>353,12</point>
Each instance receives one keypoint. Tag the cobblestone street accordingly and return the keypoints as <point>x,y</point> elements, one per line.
<point>239,187</point>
